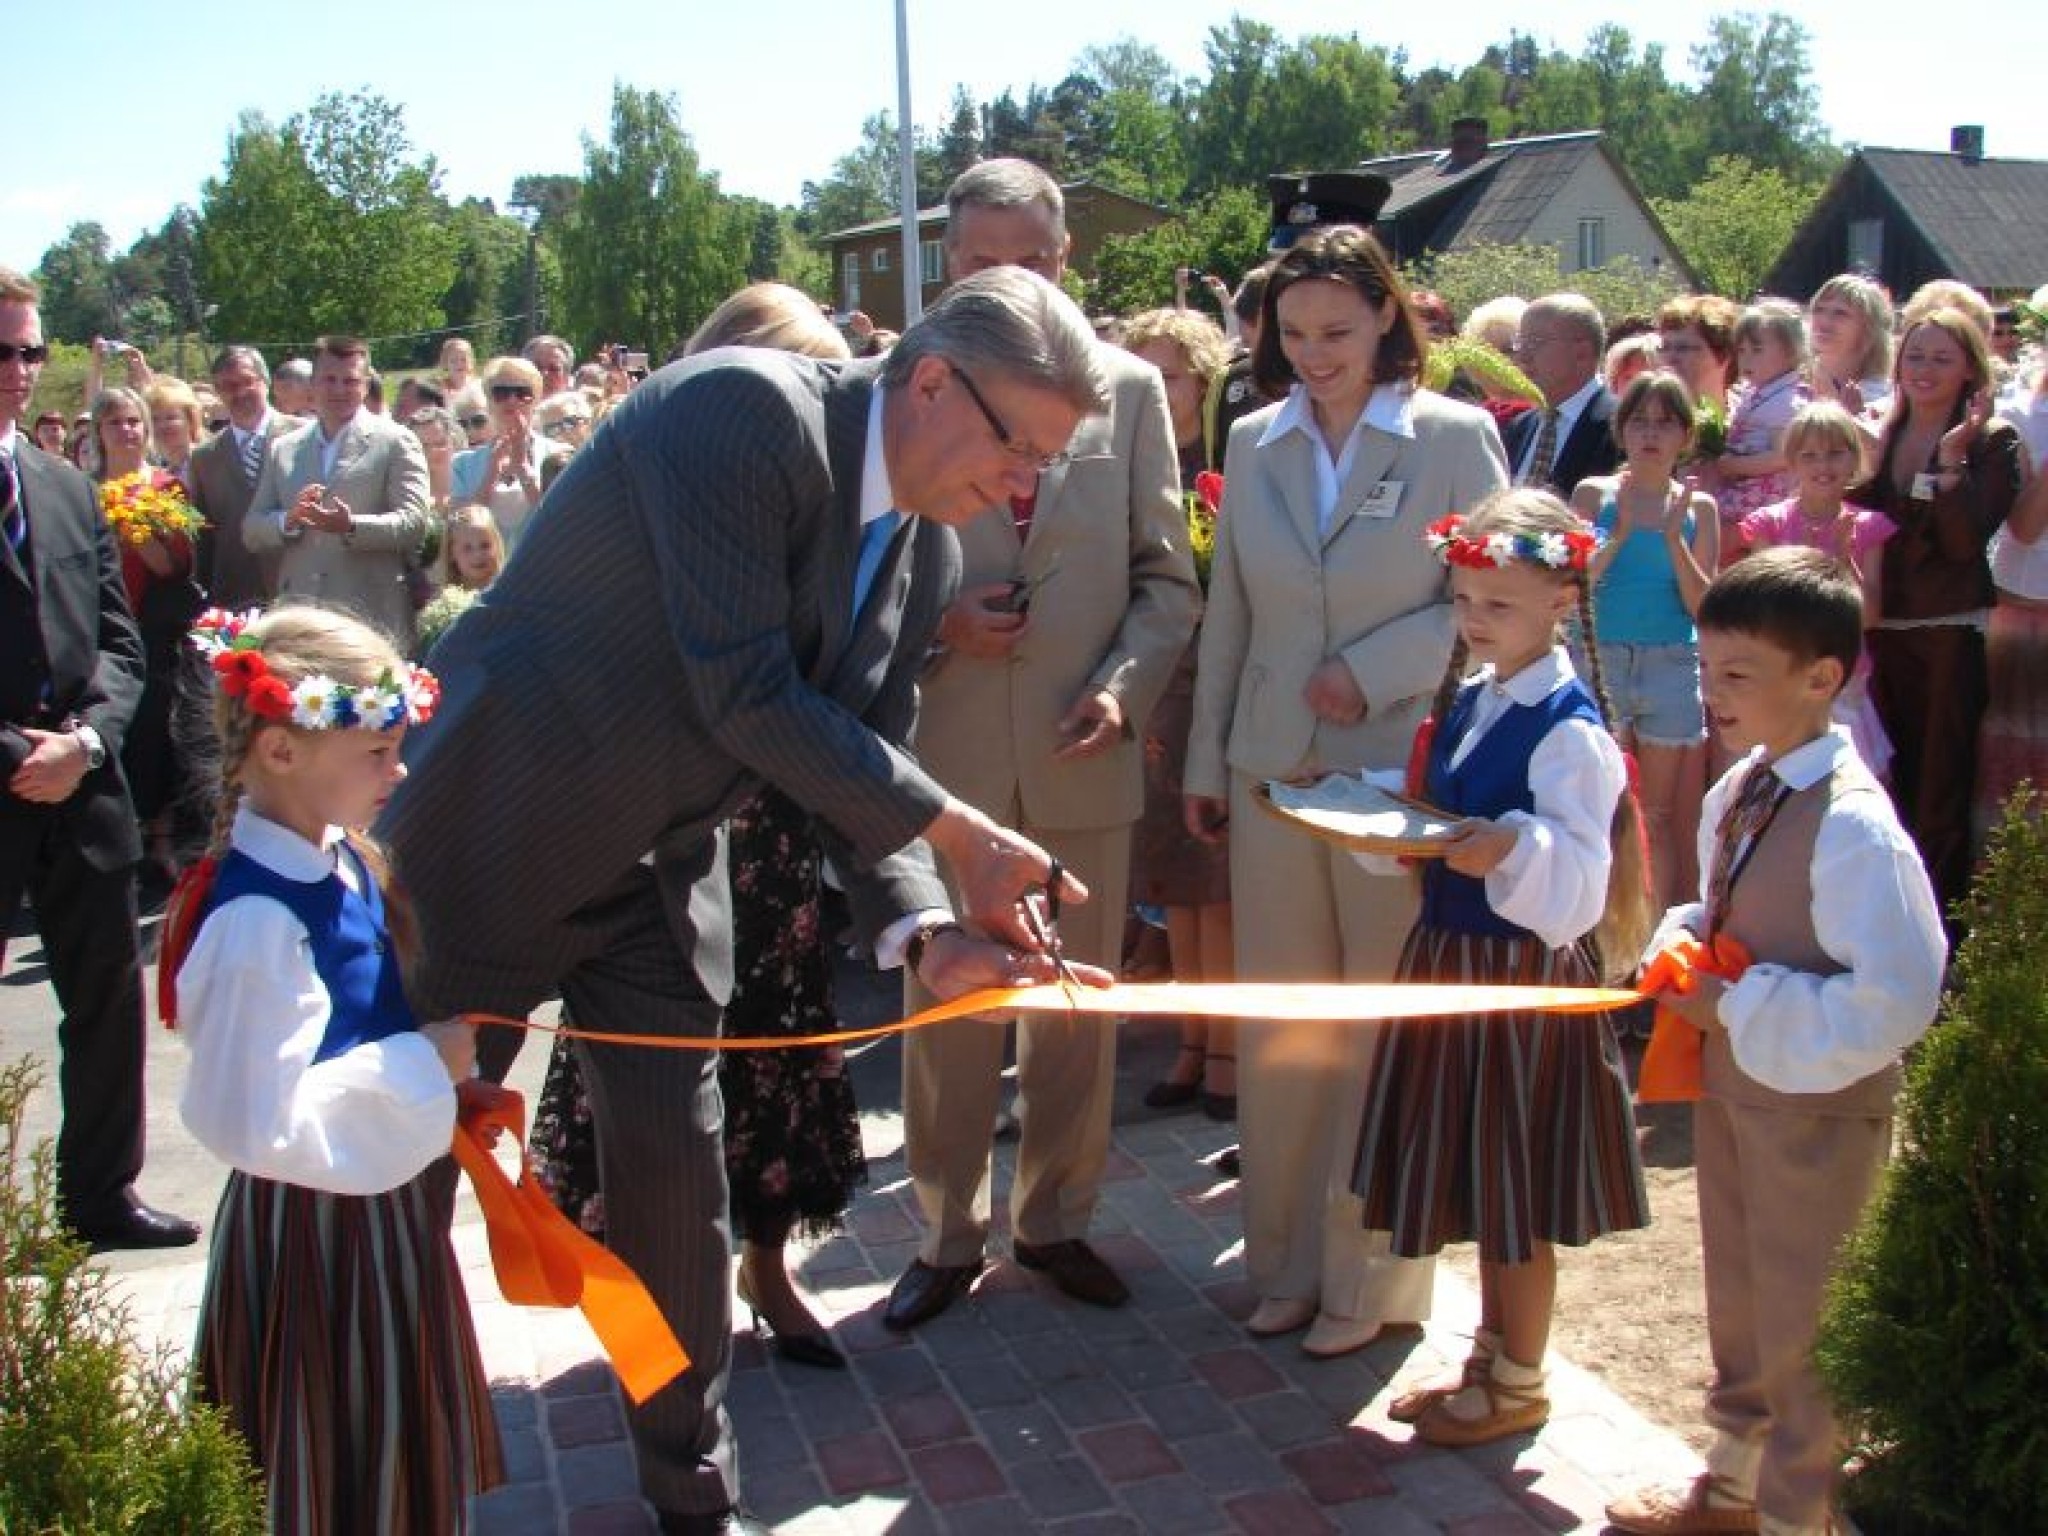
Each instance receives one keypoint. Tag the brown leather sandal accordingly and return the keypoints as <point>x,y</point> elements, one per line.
<point>1509,1411</point>
<point>1685,1512</point>
<point>1414,1403</point>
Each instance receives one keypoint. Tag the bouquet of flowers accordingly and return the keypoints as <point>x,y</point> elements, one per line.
<point>1204,502</point>
<point>1710,432</point>
<point>148,504</point>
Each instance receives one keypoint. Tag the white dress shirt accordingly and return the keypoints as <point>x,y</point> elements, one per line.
<point>1390,408</point>
<point>1873,913</point>
<point>253,1013</point>
<point>1569,410</point>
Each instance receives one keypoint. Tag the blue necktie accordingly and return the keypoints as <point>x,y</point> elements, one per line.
<point>874,543</point>
<point>11,518</point>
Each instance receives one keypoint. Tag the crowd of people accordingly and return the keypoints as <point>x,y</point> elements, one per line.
<point>982,643</point>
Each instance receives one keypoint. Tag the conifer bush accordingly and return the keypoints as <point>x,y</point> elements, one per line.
<point>96,1439</point>
<point>1935,1340</point>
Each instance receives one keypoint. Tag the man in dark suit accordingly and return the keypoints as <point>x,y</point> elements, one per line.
<point>718,594</point>
<point>71,673</point>
<point>225,469</point>
<point>1560,345</point>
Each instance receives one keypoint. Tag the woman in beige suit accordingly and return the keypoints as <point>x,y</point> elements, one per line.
<point>1327,629</point>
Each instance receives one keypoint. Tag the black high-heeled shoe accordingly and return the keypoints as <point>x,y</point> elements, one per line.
<point>797,1348</point>
<point>1168,1094</point>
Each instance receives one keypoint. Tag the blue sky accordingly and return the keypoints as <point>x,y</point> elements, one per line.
<point>131,103</point>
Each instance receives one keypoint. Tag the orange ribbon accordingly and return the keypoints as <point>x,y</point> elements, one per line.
<point>1673,1071</point>
<point>542,1260</point>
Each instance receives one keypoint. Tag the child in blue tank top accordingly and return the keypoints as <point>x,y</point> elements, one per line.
<point>334,1330</point>
<point>1512,1130</point>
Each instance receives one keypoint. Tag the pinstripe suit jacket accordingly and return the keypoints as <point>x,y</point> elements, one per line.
<point>674,631</point>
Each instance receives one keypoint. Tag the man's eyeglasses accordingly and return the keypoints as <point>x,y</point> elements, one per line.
<point>1012,445</point>
<point>31,355</point>
<point>511,392</point>
<point>562,426</point>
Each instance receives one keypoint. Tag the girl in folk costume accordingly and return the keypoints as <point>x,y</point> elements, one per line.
<point>334,1329</point>
<point>1514,1130</point>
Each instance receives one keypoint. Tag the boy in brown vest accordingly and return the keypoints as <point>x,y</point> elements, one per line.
<point>1807,866</point>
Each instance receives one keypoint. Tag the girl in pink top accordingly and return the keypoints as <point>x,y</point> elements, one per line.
<point>1770,351</point>
<point>1823,446</point>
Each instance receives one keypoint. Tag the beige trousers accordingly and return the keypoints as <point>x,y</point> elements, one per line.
<point>1306,911</point>
<point>1066,1073</point>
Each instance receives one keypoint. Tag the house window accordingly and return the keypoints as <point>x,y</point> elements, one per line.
<point>931,263</point>
<point>878,259</point>
<point>849,279</point>
<point>1592,243</point>
<point>1866,245</point>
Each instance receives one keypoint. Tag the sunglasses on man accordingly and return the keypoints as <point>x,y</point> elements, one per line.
<point>511,392</point>
<point>33,355</point>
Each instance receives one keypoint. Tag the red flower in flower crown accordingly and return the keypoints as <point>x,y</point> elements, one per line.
<point>239,670</point>
<point>1209,486</point>
<point>1584,546</point>
<point>268,698</point>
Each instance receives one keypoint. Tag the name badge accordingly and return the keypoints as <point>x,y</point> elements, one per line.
<point>1924,487</point>
<point>1383,500</point>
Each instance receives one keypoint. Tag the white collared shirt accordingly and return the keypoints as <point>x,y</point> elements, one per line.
<point>876,497</point>
<point>1390,408</point>
<point>243,435</point>
<point>1874,914</point>
<point>1569,410</point>
<point>253,1013</point>
<point>331,446</point>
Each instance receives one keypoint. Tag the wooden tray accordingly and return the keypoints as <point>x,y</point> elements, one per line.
<point>1344,809</point>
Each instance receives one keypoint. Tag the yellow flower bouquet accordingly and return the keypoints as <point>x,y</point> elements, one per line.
<point>148,504</point>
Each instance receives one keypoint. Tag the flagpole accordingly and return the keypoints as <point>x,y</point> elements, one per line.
<point>906,156</point>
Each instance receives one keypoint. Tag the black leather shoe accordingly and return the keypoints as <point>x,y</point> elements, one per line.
<point>723,1522</point>
<point>925,1290</point>
<point>137,1226</point>
<point>1076,1269</point>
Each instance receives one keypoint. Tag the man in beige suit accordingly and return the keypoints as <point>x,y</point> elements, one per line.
<point>1073,608</point>
<point>344,498</point>
<point>225,469</point>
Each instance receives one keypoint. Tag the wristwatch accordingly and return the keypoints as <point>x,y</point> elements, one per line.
<point>920,940</point>
<point>95,749</point>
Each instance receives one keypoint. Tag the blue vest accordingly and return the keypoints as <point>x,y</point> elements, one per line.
<point>1490,782</point>
<point>352,954</point>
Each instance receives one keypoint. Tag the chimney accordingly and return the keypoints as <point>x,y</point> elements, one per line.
<point>1468,142</point>
<point>1966,142</point>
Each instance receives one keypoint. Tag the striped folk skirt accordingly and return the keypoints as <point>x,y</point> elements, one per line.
<point>1501,1129</point>
<point>336,1333</point>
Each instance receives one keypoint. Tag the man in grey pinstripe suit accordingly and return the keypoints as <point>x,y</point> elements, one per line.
<point>679,626</point>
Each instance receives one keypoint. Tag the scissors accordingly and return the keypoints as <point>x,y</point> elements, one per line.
<point>1042,917</point>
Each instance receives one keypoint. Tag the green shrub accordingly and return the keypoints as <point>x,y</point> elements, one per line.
<point>1935,1342</point>
<point>94,1439</point>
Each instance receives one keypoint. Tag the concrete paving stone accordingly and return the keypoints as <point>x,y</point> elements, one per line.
<point>924,1418</point>
<point>519,1509</point>
<point>1080,1404</point>
<point>1232,1462</point>
<point>1138,1366</point>
<point>993,1382</point>
<point>1022,1433</point>
<point>1107,1523</point>
<point>585,1378</point>
<point>755,1391</point>
<point>958,1472</point>
<point>1448,1486</point>
<point>621,1517</point>
<point>1179,1412</point>
<point>1381,1517</point>
<point>1023,1314</point>
<point>1129,1253</point>
<point>1052,1489</point>
<point>596,1474</point>
<point>1277,1512</point>
<point>897,1513</point>
<point>1346,1387</point>
<point>1554,1493</point>
<point>516,1407</point>
<point>1198,1262</point>
<point>882,1220</point>
<point>779,1493</point>
<point>1128,1453</point>
<point>574,1421</point>
<point>900,1371</point>
<point>1173,1504</point>
<point>1285,1419</point>
<point>1237,1373</point>
<point>864,1333</point>
<point>960,1334</point>
<point>1164,1289</point>
<point>1006,1515</point>
<point>1103,1326</point>
<point>1194,1329</point>
<point>1233,1297</point>
<point>1337,1471</point>
<point>526,1455</point>
<point>1510,1523</point>
<point>859,1462</point>
<point>1599,1448</point>
<point>1121,1166</point>
<point>1063,1356</point>
<point>832,1406</point>
<point>773,1440</point>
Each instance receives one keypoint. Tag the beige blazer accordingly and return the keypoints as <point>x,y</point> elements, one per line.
<point>232,575</point>
<point>1283,597</point>
<point>381,472</point>
<point>1112,607</point>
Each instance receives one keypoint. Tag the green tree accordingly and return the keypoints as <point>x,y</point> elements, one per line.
<point>653,246</point>
<point>490,262</point>
<point>1468,278</point>
<point>1224,233</point>
<point>863,184</point>
<point>326,224</point>
<point>1757,98</point>
<point>77,278</point>
<point>1737,221</point>
<point>1271,106</point>
<point>959,145</point>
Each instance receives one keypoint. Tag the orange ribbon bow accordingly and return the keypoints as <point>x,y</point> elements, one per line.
<point>542,1260</point>
<point>1672,1063</point>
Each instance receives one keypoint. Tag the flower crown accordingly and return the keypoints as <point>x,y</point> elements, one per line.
<point>1571,551</point>
<point>406,696</point>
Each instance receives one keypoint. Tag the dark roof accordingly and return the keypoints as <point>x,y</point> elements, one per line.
<point>1987,219</point>
<point>1494,198</point>
<point>1072,191</point>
